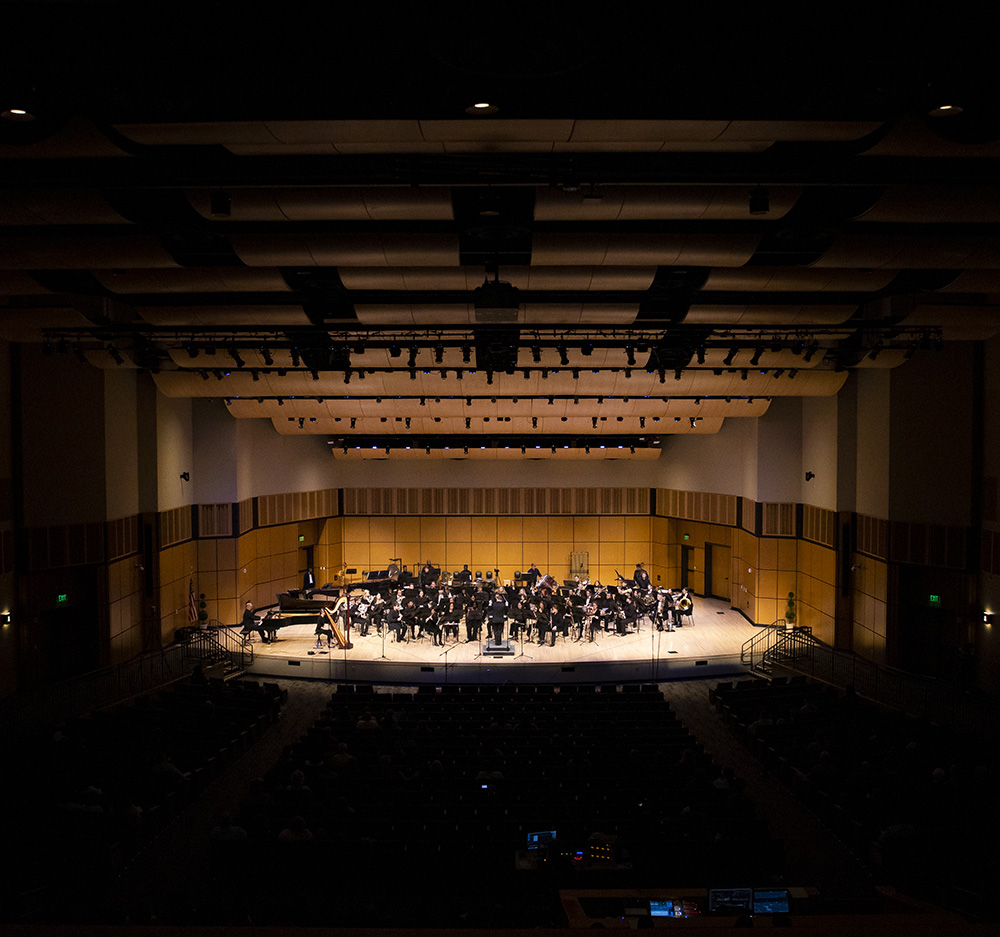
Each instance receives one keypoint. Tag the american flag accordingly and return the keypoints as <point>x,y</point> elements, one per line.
<point>192,605</point>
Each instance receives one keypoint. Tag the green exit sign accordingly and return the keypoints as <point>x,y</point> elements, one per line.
<point>935,600</point>
<point>302,538</point>
<point>62,598</point>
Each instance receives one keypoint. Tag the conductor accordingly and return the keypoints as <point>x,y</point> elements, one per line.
<point>497,616</point>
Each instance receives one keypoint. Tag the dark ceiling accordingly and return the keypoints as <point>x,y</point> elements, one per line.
<point>296,212</point>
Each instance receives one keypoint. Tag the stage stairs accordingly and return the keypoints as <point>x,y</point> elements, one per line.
<point>776,646</point>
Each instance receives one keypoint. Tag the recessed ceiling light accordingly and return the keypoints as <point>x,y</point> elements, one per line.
<point>17,113</point>
<point>482,108</point>
<point>945,110</point>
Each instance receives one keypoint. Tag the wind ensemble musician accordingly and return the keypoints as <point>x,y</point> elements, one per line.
<point>578,610</point>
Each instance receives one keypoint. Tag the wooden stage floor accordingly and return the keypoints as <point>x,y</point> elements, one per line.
<point>709,647</point>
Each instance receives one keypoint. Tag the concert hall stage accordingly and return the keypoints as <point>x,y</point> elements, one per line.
<point>709,647</point>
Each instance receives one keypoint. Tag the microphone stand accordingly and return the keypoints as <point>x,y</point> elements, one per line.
<point>520,634</point>
<point>383,628</point>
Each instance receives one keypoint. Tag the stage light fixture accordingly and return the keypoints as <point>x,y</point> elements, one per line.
<point>642,422</point>
<point>551,401</point>
<point>587,349</point>
<point>281,401</point>
<point>593,421</point>
<point>536,353</point>
<point>693,422</point>
<point>778,372</point>
<point>576,374</point>
<point>527,373</point>
<point>354,422</point>
<point>757,352</point>
<point>295,356</point>
<point>662,375</point>
<point>701,354</point>
<point>728,360</point>
<point>563,357</point>
<point>534,422</point>
<point>438,353</point>
<point>302,422</point>
<point>423,401</point>
<point>235,355</point>
<point>466,353</point>
<point>743,374</point>
<point>630,352</point>
<point>266,355</point>
<point>347,376</point>
<point>255,375</point>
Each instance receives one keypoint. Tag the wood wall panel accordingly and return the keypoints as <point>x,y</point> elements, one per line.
<point>511,502</point>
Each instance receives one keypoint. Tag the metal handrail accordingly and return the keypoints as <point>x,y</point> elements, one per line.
<point>96,690</point>
<point>218,639</point>
<point>798,650</point>
<point>754,651</point>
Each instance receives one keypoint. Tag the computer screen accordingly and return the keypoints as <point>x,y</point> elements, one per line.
<point>661,907</point>
<point>722,900</point>
<point>541,839</point>
<point>770,901</point>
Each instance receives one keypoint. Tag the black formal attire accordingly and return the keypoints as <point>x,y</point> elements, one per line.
<point>250,625</point>
<point>497,614</point>
<point>641,579</point>
<point>473,621</point>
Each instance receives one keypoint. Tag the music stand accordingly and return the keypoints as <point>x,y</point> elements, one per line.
<point>520,634</point>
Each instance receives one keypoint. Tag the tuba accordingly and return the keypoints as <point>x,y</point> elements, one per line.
<point>684,604</point>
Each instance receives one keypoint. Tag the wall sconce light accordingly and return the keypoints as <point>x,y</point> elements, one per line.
<point>185,476</point>
<point>4,619</point>
<point>810,476</point>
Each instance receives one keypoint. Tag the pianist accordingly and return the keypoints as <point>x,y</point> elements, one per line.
<point>251,624</point>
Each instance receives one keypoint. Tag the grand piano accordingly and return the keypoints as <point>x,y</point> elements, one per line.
<point>322,606</point>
